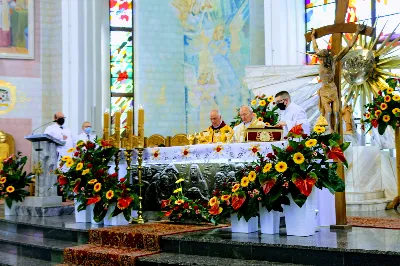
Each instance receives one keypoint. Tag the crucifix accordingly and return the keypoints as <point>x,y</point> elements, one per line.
<point>337,29</point>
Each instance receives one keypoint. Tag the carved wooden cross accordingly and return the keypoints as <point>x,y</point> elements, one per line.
<point>337,30</point>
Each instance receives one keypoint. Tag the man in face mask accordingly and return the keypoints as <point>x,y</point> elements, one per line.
<point>291,114</point>
<point>60,132</point>
<point>86,133</point>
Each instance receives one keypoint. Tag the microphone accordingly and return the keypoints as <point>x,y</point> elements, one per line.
<point>43,126</point>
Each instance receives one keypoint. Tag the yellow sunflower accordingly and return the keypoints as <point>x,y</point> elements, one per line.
<point>386,118</point>
<point>389,90</point>
<point>253,102</point>
<point>270,99</point>
<point>378,113</point>
<point>396,97</point>
<point>267,124</point>
<point>367,115</point>
<point>319,129</point>
<point>311,143</point>
<point>396,110</point>
<point>97,187</point>
<point>110,194</point>
<point>225,197</point>
<point>388,98</point>
<point>70,149</point>
<point>70,163</point>
<point>213,201</point>
<point>267,167</point>
<point>281,167</point>
<point>65,158</point>
<point>262,103</point>
<point>298,158</point>
<point>260,119</point>
<point>79,166</point>
<point>3,180</point>
<point>235,187</point>
<point>244,182</point>
<point>383,106</point>
<point>252,176</point>
<point>84,172</point>
<point>179,202</point>
<point>10,189</point>
<point>92,181</point>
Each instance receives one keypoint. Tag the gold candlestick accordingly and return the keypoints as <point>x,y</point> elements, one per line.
<point>140,219</point>
<point>117,162</point>
<point>128,158</point>
<point>141,126</point>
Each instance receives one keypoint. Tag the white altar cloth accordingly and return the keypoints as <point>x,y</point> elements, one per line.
<point>208,153</point>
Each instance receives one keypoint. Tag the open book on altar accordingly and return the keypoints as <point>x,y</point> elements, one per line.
<point>266,134</point>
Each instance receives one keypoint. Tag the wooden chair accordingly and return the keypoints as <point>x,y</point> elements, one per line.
<point>179,140</point>
<point>155,140</point>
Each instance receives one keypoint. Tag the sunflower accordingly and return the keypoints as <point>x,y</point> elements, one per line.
<point>367,115</point>
<point>92,181</point>
<point>179,202</point>
<point>281,167</point>
<point>298,158</point>
<point>110,194</point>
<point>79,166</point>
<point>84,172</point>
<point>311,143</point>
<point>384,106</point>
<point>3,180</point>
<point>389,90</point>
<point>177,190</point>
<point>396,110</point>
<point>235,187</point>
<point>70,163</point>
<point>319,129</point>
<point>253,102</point>
<point>65,158</point>
<point>387,98</point>
<point>262,103</point>
<point>10,189</point>
<point>386,118</point>
<point>244,182</point>
<point>252,176</point>
<point>97,187</point>
<point>270,99</point>
<point>260,119</point>
<point>378,113</point>
<point>70,149</point>
<point>267,124</point>
<point>396,97</point>
<point>213,201</point>
<point>267,167</point>
<point>225,197</point>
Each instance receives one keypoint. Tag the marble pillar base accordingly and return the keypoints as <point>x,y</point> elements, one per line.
<point>50,201</point>
<point>44,211</point>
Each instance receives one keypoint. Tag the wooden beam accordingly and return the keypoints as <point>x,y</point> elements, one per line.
<point>338,28</point>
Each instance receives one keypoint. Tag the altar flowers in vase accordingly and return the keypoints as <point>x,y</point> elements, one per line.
<point>180,208</point>
<point>384,111</point>
<point>13,182</point>
<point>264,108</point>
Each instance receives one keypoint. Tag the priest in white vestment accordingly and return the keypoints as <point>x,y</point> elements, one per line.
<point>290,114</point>
<point>248,120</point>
<point>60,132</point>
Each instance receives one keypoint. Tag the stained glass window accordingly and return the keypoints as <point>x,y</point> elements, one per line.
<point>121,57</point>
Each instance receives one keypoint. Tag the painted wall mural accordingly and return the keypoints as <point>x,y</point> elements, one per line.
<point>216,51</point>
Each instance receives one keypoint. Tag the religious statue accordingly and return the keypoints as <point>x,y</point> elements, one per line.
<point>328,93</point>
<point>347,112</point>
<point>158,190</point>
<point>4,148</point>
<point>196,179</point>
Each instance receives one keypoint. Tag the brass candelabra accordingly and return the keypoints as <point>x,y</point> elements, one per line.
<point>140,219</point>
<point>128,157</point>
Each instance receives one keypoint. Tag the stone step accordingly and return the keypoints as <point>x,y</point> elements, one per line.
<point>360,196</point>
<point>8,259</point>
<point>33,247</point>
<point>367,205</point>
<point>167,259</point>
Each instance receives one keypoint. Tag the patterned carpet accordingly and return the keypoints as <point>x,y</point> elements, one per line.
<point>122,245</point>
<point>390,223</point>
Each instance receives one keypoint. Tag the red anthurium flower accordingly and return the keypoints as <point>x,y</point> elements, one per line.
<point>237,200</point>
<point>93,200</point>
<point>268,185</point>
<point>305,185</point>
<point>289,149</point>
<point>77,183</point>
<point>374,123</point>
<point>122,180</point>
<point>336,153</point>
<point>123,203</point>
<point>297,130</point>
<point>62,180</point>
<point>168,213</point>
<point>164,203</point>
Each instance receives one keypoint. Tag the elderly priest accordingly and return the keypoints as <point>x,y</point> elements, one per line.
<point>248,121</point>
<point>217,125</point>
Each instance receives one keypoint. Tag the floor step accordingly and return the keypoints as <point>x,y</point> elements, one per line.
<point>167,259</point>
<point>367,205</point>
<point>7,259</point>
<point>33,247</point>
<point>360,196</point>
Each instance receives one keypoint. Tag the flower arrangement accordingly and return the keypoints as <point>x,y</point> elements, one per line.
<point>384,111</point>
<point>264,109</point>
<point>179,208</point>
<point>13,179</point>
<point>87,179</point>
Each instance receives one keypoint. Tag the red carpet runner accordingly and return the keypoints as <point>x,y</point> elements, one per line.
<point>389,223</point>
<point>122,245</point>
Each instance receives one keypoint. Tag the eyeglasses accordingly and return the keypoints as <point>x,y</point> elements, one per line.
<point>281,101</point>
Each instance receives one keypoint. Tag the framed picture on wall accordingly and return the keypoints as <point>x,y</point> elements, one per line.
<point>17,29</point>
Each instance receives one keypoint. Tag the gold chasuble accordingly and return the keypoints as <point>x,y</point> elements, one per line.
<point>217,134</point>
<point>239,134</point>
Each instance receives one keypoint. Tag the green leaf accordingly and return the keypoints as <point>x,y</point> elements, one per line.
<point>382,128</point>
<point>9,202</point>
<point>98,212</point>
<point>345,145</point>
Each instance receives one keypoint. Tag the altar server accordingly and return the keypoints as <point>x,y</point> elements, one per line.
<point>60,132</point>
<point>290,114</point>
<point>248,120</point>
<point>86,133</point>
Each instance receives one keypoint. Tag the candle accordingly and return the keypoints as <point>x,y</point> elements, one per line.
<point>141,126</point>
<point>107,119</point>
<point>118,119</point>
<point>129,119</point>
